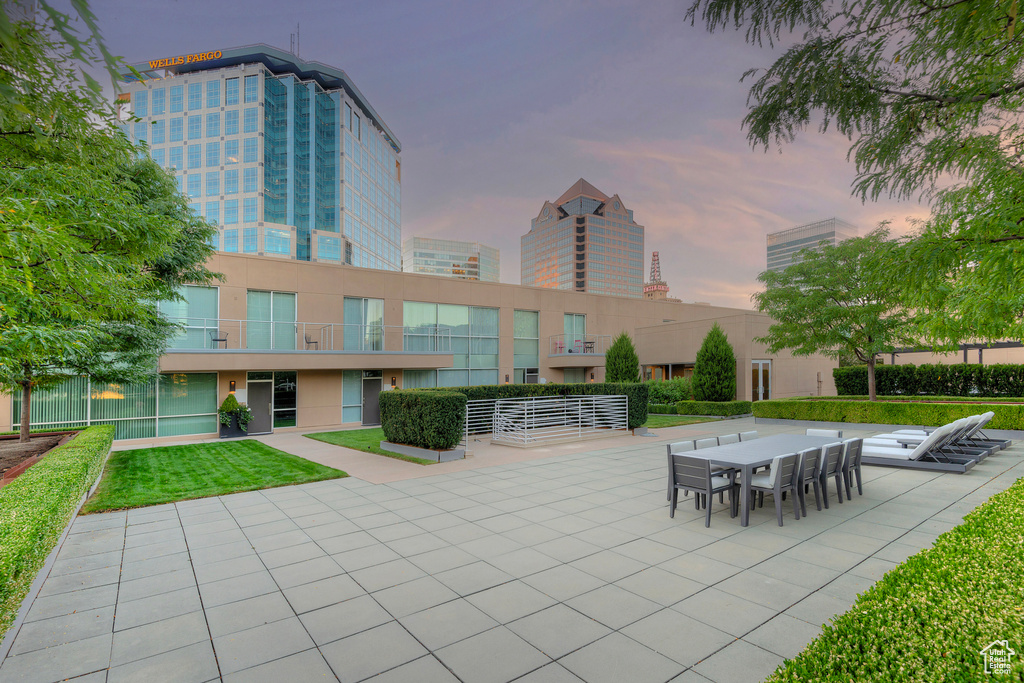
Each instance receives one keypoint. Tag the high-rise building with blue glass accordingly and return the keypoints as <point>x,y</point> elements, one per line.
<point>287,157</point>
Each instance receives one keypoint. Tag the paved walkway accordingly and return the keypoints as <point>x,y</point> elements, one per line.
<point>564,568</point>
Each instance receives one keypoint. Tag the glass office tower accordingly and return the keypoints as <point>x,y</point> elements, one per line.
<point>784,245</point>
<point>285,156</point>
<point>451,258</point>
<point>585,241</point>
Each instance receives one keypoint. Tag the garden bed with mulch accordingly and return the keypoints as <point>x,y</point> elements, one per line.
<point>16,457</point>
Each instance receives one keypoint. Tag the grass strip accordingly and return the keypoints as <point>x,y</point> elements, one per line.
<point>35,508</point>
<point>929,618</point>
<point>367,440</point>
<point>152,476</point>
<point>655,421</point>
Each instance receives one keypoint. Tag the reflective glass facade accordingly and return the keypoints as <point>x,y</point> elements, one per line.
<point>323,177</point>
<point>451,258</point>
<point>585,241</point>
<point>784,245</point>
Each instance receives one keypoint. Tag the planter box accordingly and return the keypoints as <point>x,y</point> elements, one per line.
<point>232,431</point>
<point>424,453</point>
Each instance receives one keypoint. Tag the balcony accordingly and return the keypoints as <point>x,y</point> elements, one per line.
<point>221,344</point>
<point>577,351</point>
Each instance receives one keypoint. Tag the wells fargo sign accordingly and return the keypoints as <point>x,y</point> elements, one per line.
<point>183,59</point>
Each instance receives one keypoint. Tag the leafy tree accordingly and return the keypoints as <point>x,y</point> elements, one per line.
<point>91,236</point>
<point>714,373</point>
<point>930,95</point>
<point>621,362</point>
<point>835,302</point>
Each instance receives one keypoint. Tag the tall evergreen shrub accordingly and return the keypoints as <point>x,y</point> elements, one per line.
<point>714,375</point>
<point>621,362</point>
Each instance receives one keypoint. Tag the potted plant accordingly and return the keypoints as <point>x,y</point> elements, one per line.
<point>234,418</point>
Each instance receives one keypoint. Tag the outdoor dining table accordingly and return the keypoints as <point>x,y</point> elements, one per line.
<point>746,456</point>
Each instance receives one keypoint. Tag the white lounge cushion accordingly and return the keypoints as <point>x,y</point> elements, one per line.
<point>762,480</point>
<point>871,450</point>
<point>719,481</point>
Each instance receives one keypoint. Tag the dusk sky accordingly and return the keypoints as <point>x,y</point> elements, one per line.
<point>501,106</point>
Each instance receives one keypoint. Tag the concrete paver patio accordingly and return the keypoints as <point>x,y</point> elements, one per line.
<point>564,568</point>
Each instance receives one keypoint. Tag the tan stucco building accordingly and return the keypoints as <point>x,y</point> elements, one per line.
<point>313,344</point>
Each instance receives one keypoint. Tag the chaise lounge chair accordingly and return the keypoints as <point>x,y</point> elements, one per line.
<point>927,455</point>
<point>957,443</point>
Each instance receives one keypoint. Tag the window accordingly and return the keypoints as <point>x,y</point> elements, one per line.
<point>159,101</point>
<point>231,91</point>
<point>194,185</point>
<point>231,183</point>
<point>352,394</point>
<point>525,346</point>
<point>328,248</point>
<point>175,158</point>
<point>231,122</point>
<point>249,120</point>
<point>213,125</point>
<point>471,332</point>
<point>213,93</point>
<point>249,180</point>
<point>195,156</point>
<point>252,84</point>
<point>177,124</point>
<point>249,150</point>
<point>277,241</point>
<point>284,398</point>
<point>195,96</point>
<point>575,327</point>
<point>212,154</point>
<point>355,130</point>
<point>348,117</point>
<point>195,127</point>
<point>249,240</point>
<point>271,320</point>
<point>141,104</point>
<point>198,310</point>
<point>213,212</point>
<point>159,127</point>
<point>249,210</point>
<point>212,184</point>
<point>159,156</point>
<point>140,131</point>
<point>231,152</point>
<point>177,97</point>
<point>231,241</point>
<point>364,324</point>
<point>231,212</point>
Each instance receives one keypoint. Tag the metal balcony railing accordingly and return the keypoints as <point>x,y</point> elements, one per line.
<point>582,343</point>
<point>263,335</point>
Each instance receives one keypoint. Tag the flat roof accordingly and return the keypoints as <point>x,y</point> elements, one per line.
<point>277,62</point>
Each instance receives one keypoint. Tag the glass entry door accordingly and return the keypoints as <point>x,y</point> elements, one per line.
<point>760,380</point>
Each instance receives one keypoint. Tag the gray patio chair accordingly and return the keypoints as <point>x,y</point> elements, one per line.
<point>784,476</point>
<point>706,443</point>
<point>694,474</point>
<point>218,337</point>
<point>747,436</point>
<point>851,465</point>
<point>837,433</point>
<point>728,438</point>
<point>810,464</point>
<point>677,447</point>
<point>831,466</point>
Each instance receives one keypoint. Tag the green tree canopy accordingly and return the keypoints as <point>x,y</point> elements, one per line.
<point>92,236</point>
<point>835,302</point>
<point>714,373</point>
<point>621,362</point>
<point>930,95</point>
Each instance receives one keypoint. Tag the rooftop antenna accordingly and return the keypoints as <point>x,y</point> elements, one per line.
<point>295,47</point>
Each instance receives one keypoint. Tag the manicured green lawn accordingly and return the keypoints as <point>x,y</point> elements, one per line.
<point>151,476</point>
<point>364,440</point>
<point>655,421</point>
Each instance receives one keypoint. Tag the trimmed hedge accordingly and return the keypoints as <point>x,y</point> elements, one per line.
<point>35,508</point>
<point>719,408</point>
<point>426,419</point>
<point>962,379</point>
<point>1007,415</point>
<point>661,409</point>
<point>929,618</point>
<point>670,390</point>
<point>637,393</point>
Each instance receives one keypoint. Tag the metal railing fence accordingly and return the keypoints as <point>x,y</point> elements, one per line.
<point>532,420</point>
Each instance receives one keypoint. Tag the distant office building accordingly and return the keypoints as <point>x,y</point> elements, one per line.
<point>585,241</point>
<point>782,246</point>
<point>451,258</point>
<point>286,157</point>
